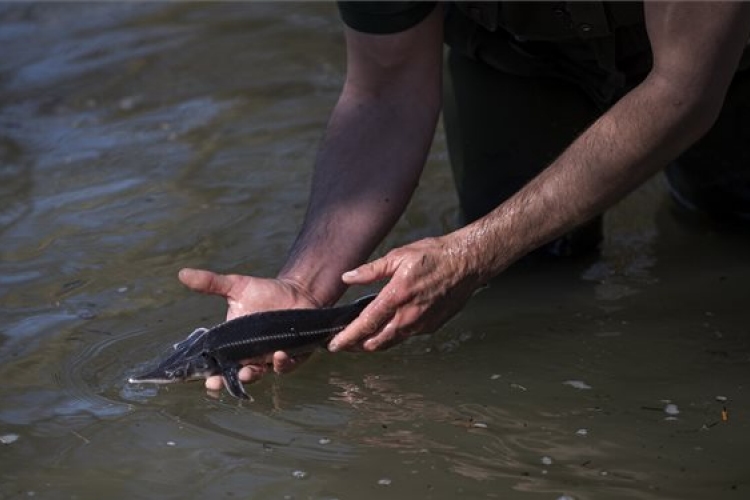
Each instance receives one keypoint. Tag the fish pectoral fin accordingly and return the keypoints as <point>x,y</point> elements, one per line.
<point>232,381</point>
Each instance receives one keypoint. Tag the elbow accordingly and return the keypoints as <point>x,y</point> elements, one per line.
<point>702,114</point>
<point>695,109</point>
<point>693,105</point>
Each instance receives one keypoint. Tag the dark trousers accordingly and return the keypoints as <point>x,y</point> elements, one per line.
<point>502,129</point>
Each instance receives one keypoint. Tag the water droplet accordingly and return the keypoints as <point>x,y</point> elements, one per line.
<point>299,474</point>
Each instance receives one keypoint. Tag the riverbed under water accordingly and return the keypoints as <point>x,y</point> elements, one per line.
<point>139,138</point>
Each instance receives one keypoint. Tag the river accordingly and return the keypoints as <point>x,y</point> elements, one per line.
<point>139,138</point>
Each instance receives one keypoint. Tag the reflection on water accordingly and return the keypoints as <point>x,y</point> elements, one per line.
<point>136,139</point>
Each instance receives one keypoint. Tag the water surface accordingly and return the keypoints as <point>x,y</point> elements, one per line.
<point>138,138</point>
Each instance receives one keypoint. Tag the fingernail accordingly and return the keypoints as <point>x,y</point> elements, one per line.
<point>349,274</point>
<point>333,347</point>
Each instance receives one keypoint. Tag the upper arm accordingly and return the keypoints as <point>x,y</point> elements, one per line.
<point>404,63</point>
<point>696,46</point>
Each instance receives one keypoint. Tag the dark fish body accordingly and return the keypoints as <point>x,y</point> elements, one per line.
<point>219,350</point>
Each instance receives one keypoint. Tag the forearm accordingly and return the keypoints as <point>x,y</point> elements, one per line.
<point>638,136</point>
<point>372,154</point>
<point>696,47</point>
<point>366,171</point>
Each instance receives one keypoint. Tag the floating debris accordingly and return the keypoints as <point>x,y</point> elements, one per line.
<point>324,441</point>
<point>122,289</point>
<point>546,460</point>
<point>9,438</point>
<point>171,443</point>
<point>384,482</point>
<point>721,399</point>
<point>128,103</point>
<point>479,425</point>
<point>582,432</point>
<point>565,497</point>
<point>299,474</point>
<point>577,384</point>
<point>86,314</point>
<point>519,387</point>
<point>495,376</point>
<point>671,409</point>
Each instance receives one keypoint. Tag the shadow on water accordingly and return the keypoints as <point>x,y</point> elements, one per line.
<point>136,139</point>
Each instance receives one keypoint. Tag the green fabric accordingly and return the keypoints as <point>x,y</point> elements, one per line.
<point>384,17</point>
<point>553,21</point>
<point>603,66</point>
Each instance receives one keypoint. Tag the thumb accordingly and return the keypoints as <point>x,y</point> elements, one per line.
<point>203,281</point>
<point>376,270</point>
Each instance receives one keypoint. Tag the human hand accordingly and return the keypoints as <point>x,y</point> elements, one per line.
<point>430,281</point>
<point>246,295</point>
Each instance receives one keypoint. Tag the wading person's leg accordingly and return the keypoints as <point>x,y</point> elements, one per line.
<point>502,130</point>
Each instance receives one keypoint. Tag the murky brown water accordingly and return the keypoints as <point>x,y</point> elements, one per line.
<point>138,138</point>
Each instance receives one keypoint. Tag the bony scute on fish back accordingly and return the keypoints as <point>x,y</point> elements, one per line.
<point>220,350</point>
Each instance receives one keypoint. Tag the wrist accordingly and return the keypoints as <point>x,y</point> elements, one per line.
<point>465,257</point>
<point>477,254</point>
<point>312,286</point>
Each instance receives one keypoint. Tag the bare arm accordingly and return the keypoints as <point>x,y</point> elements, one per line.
<point>368,165</point>
<point>372,155</point>
<point>696,47</point>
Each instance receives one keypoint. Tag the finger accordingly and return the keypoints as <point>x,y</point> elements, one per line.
<point>387,337</point>
<point>252,373</point>
<point>284,363</point>
<point>204,281</point>
<point>247,374</point>
<point>214,383</point>
<point>367,324</point>
<point>376,270</point>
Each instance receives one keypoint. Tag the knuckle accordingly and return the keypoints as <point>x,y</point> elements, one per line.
<point>369,325</point>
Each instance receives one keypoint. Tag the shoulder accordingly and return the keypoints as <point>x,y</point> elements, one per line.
<point>384,17</point>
